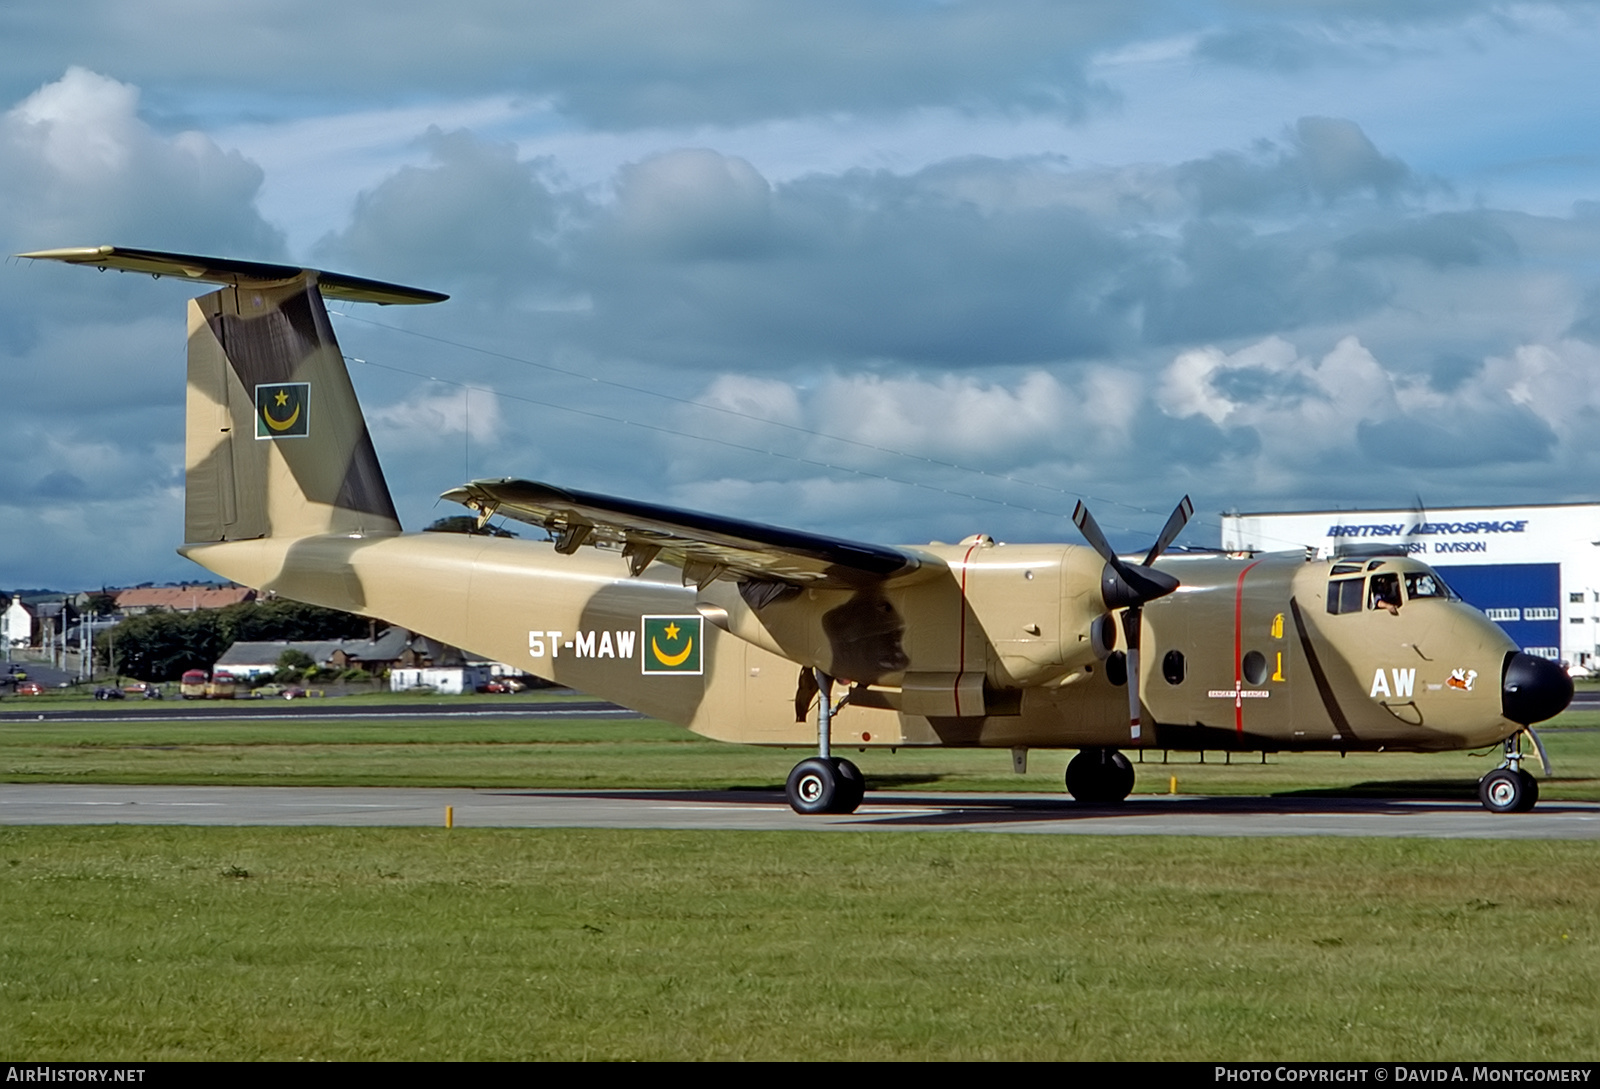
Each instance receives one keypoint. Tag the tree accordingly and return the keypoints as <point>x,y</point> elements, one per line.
<point>161,646</point>
<point>293,665</point>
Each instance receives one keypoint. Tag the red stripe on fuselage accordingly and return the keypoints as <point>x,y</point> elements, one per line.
<point>961,649</point>
<point>1238,647</point>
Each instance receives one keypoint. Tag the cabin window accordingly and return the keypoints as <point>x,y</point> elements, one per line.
<point>1172,667</point>
<point>1346,569</point>
<point>1254,667</point>
<point>1344,595</point>
<point>1425,584</point>
<point>1384,591</point>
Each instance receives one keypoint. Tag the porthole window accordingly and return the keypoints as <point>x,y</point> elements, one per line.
<point>1172,667</point>
<point>1254,667</point>
<point>1117,668</point>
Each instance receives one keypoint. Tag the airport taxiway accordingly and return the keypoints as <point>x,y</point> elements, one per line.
<point>74,804</point>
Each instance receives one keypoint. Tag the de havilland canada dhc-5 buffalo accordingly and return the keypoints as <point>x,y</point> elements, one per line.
<point>751,633</point>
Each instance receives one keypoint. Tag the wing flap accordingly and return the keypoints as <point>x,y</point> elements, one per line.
<point>705,546</point>
<point>224,270</point>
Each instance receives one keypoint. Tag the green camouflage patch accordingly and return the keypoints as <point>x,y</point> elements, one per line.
<point>671,644</point>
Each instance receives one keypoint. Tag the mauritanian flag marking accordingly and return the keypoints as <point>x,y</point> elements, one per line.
<point>671,644</point>
<point>283,410</point>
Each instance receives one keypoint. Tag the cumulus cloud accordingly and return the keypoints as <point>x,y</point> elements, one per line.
<point>1304,319</point>
<point>475,214</point>
<point>80,165</point>
<point>1321,158</point>
<point>621,64</point>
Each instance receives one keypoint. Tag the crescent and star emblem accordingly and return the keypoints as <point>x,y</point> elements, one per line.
<point>282,399</point>
<point>282,410</point>
<point>672,660</point>
<point>680,635</point>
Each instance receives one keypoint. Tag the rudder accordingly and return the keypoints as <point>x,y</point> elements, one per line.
<point>277,445</point>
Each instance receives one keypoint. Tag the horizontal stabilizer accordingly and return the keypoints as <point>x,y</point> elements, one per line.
<point>705,546</point>
<point>222,270</point>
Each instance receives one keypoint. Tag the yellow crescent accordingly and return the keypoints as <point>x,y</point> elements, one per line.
<point>286,424</point>
<point>677,659</point>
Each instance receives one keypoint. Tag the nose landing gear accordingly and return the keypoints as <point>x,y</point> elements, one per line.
<point>1508,788</point>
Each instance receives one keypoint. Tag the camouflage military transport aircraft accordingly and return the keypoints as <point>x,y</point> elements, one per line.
<point>750,633</point>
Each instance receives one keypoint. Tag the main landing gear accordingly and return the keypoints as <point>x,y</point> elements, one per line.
<point>1509,789</point>
<point>825,783</point>
<point>1100,776</point>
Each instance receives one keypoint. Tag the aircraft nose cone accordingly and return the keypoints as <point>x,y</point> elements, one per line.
<point>1533,689</point>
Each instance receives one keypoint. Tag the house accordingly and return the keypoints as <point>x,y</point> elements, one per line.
<point>16,624</point>
<point>410,660</point>
<point>180,599</point>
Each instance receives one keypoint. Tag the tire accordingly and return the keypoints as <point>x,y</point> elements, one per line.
<point>1506,791</point>
<point>813,786</point>
<point>852,787</point>
<point>1531,785</point>
<point>1100,776</point>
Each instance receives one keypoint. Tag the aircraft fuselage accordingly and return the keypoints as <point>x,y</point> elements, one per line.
<point>997,645</point>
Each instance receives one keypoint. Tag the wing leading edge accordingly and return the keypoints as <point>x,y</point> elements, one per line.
<point>705,546</point>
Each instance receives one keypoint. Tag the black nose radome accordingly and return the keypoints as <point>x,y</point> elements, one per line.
<point>1533,689</point>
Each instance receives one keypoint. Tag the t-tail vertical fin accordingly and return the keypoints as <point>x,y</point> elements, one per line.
<point>277,445</point>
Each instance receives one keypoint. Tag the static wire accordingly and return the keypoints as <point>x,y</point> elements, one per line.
<point>690,402</point>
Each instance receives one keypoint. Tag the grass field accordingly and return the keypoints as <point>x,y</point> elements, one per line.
<point>631,753</point>
<point>176,943</point>
<point>131,943</point>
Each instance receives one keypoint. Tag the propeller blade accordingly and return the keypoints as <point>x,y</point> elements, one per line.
<point>1128,584</point>
<point>1091,533</point>
<point>1132,623</point>
<point>1169,533</point>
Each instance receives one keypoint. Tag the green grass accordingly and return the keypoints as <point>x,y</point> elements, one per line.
<point>585,753</point>
<point>185,943</point>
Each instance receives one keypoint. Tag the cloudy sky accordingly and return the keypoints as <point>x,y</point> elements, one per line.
<point>896,270</point>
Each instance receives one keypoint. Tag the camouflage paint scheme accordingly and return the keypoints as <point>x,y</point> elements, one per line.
<point>977,643</point>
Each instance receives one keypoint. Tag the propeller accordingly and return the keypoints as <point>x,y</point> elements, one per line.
<point>1128,586</point>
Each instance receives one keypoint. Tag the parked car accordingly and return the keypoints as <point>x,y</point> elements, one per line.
<point>105,692</point>
<point>30,688</point>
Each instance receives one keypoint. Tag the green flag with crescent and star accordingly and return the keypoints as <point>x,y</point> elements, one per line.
<point>283,410</point>
<point>671,644</point>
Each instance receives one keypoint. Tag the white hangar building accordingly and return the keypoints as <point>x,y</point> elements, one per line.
<point>1534,570</point>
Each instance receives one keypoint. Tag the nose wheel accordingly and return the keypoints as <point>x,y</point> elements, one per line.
<point>1508,788</point>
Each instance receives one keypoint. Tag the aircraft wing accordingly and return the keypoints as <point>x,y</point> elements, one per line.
<point>224,270</point>
<point>705,546</point>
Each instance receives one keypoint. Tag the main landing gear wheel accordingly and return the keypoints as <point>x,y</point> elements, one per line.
<point>1099,776</point>
<point>825,785</point>
<point>1508,790</point>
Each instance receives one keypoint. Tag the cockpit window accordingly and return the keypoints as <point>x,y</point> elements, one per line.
<point>1346,568</point>
<point>1384,592</point>
<point>1426,584</point>
<point>1344,595</point>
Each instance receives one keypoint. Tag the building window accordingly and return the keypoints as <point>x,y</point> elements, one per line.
<point>1576,597</point>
